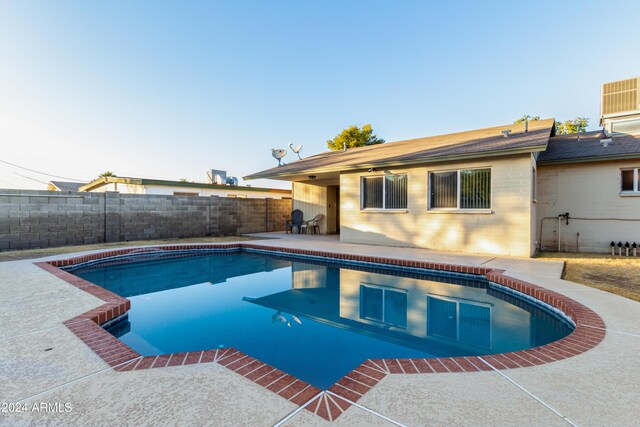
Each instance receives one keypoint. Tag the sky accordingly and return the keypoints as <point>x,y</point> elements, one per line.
<point>167,90</point>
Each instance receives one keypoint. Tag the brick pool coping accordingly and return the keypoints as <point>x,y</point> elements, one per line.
<point>589,332</point>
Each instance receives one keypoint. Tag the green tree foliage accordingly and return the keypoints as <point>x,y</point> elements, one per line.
<point>354,136</point>
<point>527,118</point>
<point>106,174</point>
<point>579,124</point>
<point>183,180</point>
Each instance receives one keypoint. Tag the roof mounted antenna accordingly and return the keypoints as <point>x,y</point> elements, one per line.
<point>278,154</point>
<point>296,149</point>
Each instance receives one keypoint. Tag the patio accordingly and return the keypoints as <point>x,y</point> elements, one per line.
<point>43,361</point>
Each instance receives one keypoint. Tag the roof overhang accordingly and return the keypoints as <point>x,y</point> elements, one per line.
<point>332,172</point>
<point>591,159</point>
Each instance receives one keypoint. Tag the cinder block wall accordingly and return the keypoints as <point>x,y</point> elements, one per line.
<point>41,219</point>
<point>590,192</point>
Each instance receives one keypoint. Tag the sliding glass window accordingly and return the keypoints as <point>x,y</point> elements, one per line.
<point>460,189</point>
<point>384,192</point>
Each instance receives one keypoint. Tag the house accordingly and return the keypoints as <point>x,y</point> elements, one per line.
<point>64,186</point>
<point>502,190</point>
<point>127,185</point>
<point>219,185</point>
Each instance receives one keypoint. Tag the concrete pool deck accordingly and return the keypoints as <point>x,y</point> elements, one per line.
<point>41,360</point>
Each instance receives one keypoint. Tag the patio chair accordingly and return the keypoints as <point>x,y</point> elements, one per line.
<point>295,221</point>
<point>313,225</point>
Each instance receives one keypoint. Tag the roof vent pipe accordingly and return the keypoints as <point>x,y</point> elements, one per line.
<point>506,132</point>
<point>605,142</point>
<point>526,126</point>
<point>344,146</point>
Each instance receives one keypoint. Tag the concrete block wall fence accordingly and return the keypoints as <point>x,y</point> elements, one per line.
<point>41,219</point>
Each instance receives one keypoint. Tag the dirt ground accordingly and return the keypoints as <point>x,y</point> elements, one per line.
<point>618,275</point>
<point>39,253</point>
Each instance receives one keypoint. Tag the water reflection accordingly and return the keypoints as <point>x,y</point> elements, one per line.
<point>460,317</point>
<point>434,315</point>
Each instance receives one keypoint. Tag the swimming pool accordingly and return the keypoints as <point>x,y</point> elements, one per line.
<point>313,320</point>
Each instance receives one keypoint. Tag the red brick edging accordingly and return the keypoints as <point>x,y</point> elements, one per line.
<point>589,332</point>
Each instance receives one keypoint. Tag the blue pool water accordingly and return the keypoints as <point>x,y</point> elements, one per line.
<point>312,320</point>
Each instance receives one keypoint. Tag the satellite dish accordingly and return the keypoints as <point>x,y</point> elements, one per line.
<point>231,180</point>
<point>278,317</point>
<point>296,149</point>
<point>278,153</point>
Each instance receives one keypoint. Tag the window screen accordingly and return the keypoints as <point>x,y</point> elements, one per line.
<point>444,190</point>
<point>475,325</point>
<point>372,189</point>
<point>383,305</point>
<point>371,303</point>
<point>395,308</point>
<point>395,196</point>
<point>442,318</point>
<point>475,189</point>
<point>388,192</point>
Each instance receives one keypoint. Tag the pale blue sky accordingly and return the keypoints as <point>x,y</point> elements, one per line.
<point>169,89</point>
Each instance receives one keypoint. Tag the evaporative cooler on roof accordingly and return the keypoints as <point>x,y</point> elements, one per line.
<point>620,96</point>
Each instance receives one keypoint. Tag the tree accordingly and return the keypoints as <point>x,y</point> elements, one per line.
<point>182,180</point>
<point>579,124</point>
<point>354,136</point>
<point>106,174</point>
<point>527,118</point>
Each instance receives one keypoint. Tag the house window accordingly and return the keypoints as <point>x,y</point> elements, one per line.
<point>631,180</point>
<point>384,192</point>
<point>464,321</point>
<point>460,189</point>
<point>384,305</point>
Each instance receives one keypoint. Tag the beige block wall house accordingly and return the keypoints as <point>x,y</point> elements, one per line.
<point>488,191</point>
<point>471,191</point>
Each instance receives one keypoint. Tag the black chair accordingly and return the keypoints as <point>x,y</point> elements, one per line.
<point>295,221</point>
